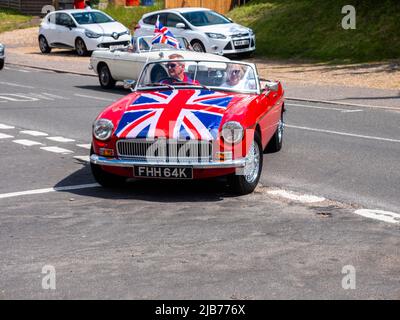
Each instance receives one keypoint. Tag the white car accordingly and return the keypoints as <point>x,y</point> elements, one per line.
<point>2,56</point>
<point>206,30</point>
<point>82,30</point>
<point>118,64</point>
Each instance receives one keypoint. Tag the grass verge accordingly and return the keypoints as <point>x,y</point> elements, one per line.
<point>11,19</point>
<point>312,29</point>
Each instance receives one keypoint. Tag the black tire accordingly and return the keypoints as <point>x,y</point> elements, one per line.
<point>239,183</point>
<point>198,46</point>
<point>44,45</point>
<point>105,78</point>
<point>80,48</point>
<point>276,142</point>
<point>106,179</point>
<point>1,64</point>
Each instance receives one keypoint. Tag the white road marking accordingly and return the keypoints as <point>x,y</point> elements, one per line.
<point>60,139</point>
<point>28,143</point>
<point>57,150</point>
<point>34,133</point>
<point>85,146</point>
<point>5,136</point>
<point>82,158</point>
<point>16,85</point>
<point>343,133</point>
<point>17,97</point>
<point>92,97</point>
<point>304,198</point>
<point>6,127</point>
<point>351,111</point>
<point>54,96</point>
<point>345,104</point>
<point>47,190</point>
<point>385,216</point>
<point>20,70</point>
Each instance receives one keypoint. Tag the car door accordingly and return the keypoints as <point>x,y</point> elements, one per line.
<point>270,112</point>
<point>49,28</point>
<point>65,29</point>
<point>172,20</point>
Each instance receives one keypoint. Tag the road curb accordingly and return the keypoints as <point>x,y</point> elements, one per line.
<point>52,69</point>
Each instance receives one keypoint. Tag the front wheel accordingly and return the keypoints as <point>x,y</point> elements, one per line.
<point>246,181</point>
<point>43,45</point>
<point>198,46</point>
<point>80,48</point>
<point>105,78</point>
<point>104,178</point>
<point>1,64</point>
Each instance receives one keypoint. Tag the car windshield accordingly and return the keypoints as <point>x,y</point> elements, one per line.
<point>205,18</point>
<point>91,17</point>
<point>216,75</point>
<point>145,44</point>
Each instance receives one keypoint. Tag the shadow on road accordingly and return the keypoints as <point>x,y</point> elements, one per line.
<point>117,90</point>
<point>164,191</point>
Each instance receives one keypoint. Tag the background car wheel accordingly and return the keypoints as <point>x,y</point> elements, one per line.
<point>1,64</point>
<point>246,183</point>
<point>105,78</point>
<point>80,48</point>
<point>275,144</point>
<point>106,179</point>
<point>43,45</point>
<point>198,46</point>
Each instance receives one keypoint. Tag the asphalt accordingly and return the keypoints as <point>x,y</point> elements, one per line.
<point>167,240</point>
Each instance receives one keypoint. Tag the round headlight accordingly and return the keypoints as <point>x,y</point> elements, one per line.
<point>232,132</point>
<point>102,129</point>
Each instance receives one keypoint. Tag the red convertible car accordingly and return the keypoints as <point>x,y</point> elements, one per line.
<point>190,120</point>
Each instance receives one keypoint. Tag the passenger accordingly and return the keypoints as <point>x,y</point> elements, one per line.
<point>235,74</point>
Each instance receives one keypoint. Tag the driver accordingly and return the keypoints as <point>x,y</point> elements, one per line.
<point>176,70</point>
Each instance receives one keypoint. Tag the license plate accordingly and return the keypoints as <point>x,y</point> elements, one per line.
<point>116,47</point>
<point>241,42</point>
<point>163,172</point>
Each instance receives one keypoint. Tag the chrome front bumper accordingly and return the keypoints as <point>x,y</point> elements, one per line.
<point>113,162</point>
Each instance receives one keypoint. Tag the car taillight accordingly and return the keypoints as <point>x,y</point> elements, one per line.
<point>137,27</point>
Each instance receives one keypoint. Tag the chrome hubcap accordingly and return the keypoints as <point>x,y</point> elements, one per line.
<point>197,47</point>
<point>252,165</point>
<point>80,47</point>
<point>281,127</point>
<point>104,76</point>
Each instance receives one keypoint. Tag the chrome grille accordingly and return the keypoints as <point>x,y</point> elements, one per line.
<point>164,150</point>
<point>239,35</point>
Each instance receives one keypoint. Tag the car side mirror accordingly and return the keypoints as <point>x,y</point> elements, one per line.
<point>180,25</point>
<point>271,86</point>
<point>129,84</point>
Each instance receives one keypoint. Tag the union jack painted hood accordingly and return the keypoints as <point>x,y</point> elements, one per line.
<point>175,114</point>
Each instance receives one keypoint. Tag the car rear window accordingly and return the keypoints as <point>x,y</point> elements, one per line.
<point>205,18</point>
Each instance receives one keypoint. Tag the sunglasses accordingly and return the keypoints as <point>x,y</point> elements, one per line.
<point>171,65</point>
<point>235,72</point>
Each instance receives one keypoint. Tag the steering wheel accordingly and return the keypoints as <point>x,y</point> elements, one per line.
<point>170,80</point>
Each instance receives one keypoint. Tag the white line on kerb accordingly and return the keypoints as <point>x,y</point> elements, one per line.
<point>343,133</point>
<point>47,190</point>
<point>385,216</point>
<point>92,97</point>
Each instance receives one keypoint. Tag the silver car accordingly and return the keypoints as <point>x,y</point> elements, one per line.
<point>206,30</point>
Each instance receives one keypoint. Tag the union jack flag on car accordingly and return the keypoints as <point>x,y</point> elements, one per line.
<point>163,35</point>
